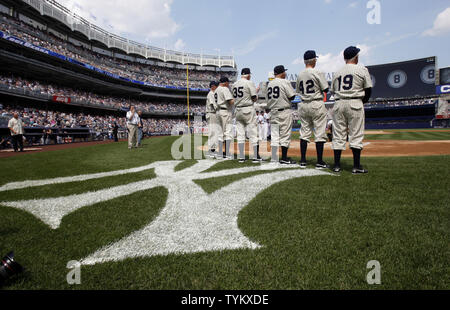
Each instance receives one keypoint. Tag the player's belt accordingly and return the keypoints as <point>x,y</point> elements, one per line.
<point>247,106</point>
<point>280,110</point>
<point>224,109</point>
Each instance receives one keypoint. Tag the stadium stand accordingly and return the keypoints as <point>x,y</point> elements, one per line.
<point>54,92</point>
<point>407,113</point>
<point>53,127</point>
<point>70,85</point>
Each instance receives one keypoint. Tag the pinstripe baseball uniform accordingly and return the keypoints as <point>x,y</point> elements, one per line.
<point>279,92</point>
<point>313,115</point>
<point>261,104</point>
<point>211,118</point>
<point>224,114</point>
<point>348,113</point>
<point>243,91</point>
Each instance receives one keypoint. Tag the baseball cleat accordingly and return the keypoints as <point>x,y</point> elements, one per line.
<point>287,162</point>
<point>322,166</point>
<point>228,158</point>
<point>257,160</point>
<point>303,165</point>
<point>241,161</point>
<point>359,170</point>
<point>337,169</point>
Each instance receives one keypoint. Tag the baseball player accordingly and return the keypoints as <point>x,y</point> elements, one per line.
<point>261,107</point>
<point>352,86</point>
<point>260,120</point>
<point>211,119</point>
<point>224,102</point>
<point>311,85</point>
<point>261,104</point>
<point>245,96</point>
<point>266,125</point>
<point>279,96</point>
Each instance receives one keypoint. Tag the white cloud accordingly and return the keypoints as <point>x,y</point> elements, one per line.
<point>328,1</point>
<point>441,24</point>
<point>353,4</point>
<point>148,19</point>
<point>180,45</point>
<point>252,44</point>
<point>330,62</point>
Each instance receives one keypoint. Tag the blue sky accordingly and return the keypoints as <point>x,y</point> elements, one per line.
<point>262,33</point>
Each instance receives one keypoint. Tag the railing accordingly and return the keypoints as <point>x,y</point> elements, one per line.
<point>92,32</point>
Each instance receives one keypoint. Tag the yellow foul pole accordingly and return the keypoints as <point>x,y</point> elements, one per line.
<point>187,87</point>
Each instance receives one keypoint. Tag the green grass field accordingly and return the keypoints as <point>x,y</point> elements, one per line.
<point>316,233</point>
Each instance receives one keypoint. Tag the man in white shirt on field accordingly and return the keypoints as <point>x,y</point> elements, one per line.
<point>133,121</point>
<point>15,126</point>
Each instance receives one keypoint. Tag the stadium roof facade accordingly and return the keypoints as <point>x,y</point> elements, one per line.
<point>75,22</point>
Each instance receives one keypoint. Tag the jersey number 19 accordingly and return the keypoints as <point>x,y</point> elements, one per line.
<point>348,82</point>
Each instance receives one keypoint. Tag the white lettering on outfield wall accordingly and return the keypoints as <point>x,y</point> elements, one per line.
<point>192,221</point>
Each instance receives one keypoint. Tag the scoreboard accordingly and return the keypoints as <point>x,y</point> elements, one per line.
<point>404,79</point>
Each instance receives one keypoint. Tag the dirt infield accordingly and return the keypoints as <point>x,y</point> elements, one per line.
<point>378,148</point>
<point>379,132</point>
<point>387,148</point>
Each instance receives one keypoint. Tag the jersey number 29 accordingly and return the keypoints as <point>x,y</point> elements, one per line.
<point>275,91</point>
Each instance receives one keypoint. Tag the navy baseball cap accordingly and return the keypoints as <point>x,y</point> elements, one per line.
<point>310,55</point>
<point>279,69</point>
<point>351,52</point>
<point>213,83</point>
<point>224,79</point>
<point>245,71</point>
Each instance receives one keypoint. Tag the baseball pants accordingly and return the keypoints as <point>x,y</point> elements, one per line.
<point>225,126</point>
<point>281,128</point>
<point>313,116</point>
<point>348,114</point>
<point>211,118</point>
<point>246,119</point>
<point>260,132</point>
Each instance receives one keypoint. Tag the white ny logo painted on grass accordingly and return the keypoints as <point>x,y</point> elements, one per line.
<point>192,221</point>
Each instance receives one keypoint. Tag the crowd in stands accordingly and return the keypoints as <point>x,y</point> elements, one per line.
<point>95,99</point>
<point>399,103</point>
<point>98,125</point>
<point>155,75</point>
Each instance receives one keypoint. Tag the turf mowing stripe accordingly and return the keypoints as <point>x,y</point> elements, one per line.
<point>78,187</point>
<point>33,183</point>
